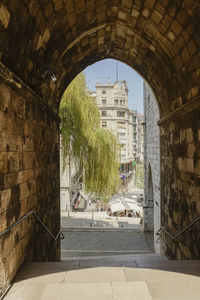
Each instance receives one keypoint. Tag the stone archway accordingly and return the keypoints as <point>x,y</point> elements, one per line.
<point>44,45</point>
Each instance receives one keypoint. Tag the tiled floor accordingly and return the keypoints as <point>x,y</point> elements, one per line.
<point>139,277</point>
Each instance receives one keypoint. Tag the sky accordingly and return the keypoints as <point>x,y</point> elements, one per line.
<point>107,68</point>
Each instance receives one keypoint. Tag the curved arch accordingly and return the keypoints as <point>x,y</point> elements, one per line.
<point>159,40</point>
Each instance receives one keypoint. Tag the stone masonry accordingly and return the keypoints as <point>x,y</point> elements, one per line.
<point>56,39</point>
<point>152,205</point>
<point>180,181</point>
<point>29,176</point>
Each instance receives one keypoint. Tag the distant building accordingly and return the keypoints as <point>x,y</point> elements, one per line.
<point>135,135</point>
<point>140,130</point>
<point>138,136</point>
<point>112,100</point>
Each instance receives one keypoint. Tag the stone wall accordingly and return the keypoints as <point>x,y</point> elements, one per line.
<point>29,176</point>
<point>160,39</point>
<point>180,180</point>
<point>151,165</point>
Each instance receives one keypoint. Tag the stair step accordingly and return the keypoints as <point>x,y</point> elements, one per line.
<point>144,276</point>
<point>81,253</point>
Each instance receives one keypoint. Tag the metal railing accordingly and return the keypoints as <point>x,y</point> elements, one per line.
<point>178,234</point>
<point>32,213</point>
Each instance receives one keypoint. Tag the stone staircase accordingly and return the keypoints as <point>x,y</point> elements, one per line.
<point>119,277</point>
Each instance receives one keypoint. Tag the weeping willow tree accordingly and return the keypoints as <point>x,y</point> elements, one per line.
<point>83,139</point>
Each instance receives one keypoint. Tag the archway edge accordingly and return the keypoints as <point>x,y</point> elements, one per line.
<point>150,69</point>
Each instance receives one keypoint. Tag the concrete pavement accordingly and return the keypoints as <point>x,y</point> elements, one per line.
<point>85,242</point>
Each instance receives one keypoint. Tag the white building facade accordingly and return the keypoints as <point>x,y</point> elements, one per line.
<point>138,137</point>
<point>112,101</point>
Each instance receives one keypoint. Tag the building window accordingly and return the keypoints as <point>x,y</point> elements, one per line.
<point>104,124</point>
<point>120,102</point>
<point>116,101</point>
<point>120,124</point>
<point>121,134</point>
<point>123,146</point>
<point>104,101</point>
<point>104,113</point>
<point>121,113</point>
<point>103,92</point>
<point>134,119</point>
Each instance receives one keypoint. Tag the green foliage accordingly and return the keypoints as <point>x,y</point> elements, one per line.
<point>84,139</point>
<point>139,176</point>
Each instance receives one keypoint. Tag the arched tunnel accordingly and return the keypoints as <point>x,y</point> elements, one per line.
<point>43,46</point>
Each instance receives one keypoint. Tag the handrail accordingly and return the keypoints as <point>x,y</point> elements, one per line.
<point>178,234</point>
<point>60,233</point>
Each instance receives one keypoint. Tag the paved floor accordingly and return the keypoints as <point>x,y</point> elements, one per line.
<point>100,242</point>
<point>138,277</point>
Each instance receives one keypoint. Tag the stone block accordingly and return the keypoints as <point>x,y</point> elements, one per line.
<point>25,175</point>
<point>171,36</point>
<point>27,188</point>
<point>180,163</point>
<point>189,135</point>
<point>126,3</point>
<point>3,162</point>
<point>192,47</point>
<point>28,160</point>
<point>156,16</point>
<point>69,6</point>
<point>4,98</point>
<point>134,13</point>
<point>175,217</point>
<point>197,168</point>
<point>48,10</point>
<point>185,55</point>
<point>122,15</point>
<point>28,144</point>
<point>195,91</point>
<point>46,36</point>
<point>58,4</point>
<point>4,15</point>
<point>13,162</point>
<point>176,27</point>
<point>190,150</point>
<point>5,197</point>
<point>101,17</point>
<point>10,180</point>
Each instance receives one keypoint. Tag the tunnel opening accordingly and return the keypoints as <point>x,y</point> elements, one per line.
<point>123,209</point>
